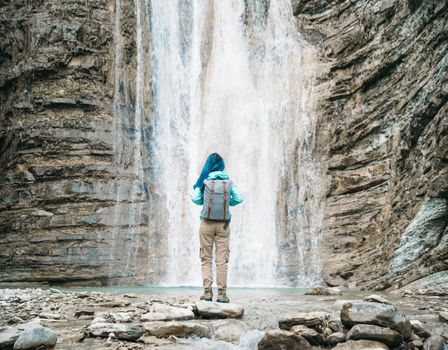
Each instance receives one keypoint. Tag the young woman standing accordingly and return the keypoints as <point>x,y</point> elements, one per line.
<point>215,192</point>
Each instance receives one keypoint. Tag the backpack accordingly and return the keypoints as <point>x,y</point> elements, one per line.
<point>216,200</point>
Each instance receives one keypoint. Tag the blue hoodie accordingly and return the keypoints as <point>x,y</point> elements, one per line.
<point>235,197</point>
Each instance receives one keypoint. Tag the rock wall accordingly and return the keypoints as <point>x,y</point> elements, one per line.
<point>59,178</point>
<point>383,135</point>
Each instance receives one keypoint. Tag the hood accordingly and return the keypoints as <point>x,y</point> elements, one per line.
<point>218,175</point>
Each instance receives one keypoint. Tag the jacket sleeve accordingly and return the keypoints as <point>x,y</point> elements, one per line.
<point>235,197</point>
<point>196,196</point>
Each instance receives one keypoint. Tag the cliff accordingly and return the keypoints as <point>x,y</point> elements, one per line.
<point>383,136</point>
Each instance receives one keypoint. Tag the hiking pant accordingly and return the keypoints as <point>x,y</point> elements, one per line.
<point>213,232</point>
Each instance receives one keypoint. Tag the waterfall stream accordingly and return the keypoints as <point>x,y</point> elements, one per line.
<point>233,77</point>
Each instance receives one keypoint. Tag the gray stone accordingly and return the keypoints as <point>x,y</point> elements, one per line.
<point>321,290</point>
<point>163,312</point>
<point>312,336</point>
<point>335,338</point>
<point>378,314</point>
<point>435,342</point>
<point>177,329</point>
<point>361,345</point>
<point>229,330</point>
<point>443,316</point>
<point>8,336</point>
<point>419,329</point>
<point>377,299</point>
<point>316,320</point>
<point>36,336</point>
<point>50,315</point>
<point>123,331</point>
<point>282,340</point>
<point>209,309</point>
<point>370,332</point>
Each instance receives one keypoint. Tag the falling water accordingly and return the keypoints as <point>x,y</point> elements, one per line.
<point>234,77</point>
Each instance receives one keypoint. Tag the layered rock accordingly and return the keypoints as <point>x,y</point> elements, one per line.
<point>383,135</point>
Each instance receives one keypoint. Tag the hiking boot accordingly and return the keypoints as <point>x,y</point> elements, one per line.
<point>208,295</point>
<point>222,297</point>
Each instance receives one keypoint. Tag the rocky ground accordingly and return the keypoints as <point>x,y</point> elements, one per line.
<point>174,318</point>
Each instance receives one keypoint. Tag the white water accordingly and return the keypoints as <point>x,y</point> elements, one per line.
<point>242,90</point>
<point>236,80</point>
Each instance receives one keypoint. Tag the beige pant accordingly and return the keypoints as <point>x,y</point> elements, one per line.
<point>213,232</point>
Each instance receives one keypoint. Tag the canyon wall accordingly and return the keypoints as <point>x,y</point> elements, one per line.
<point>59,176</point>
<point>383,136</point>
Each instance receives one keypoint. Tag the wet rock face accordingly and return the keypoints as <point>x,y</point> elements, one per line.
<point>383,134</point>
<point>58,174</point>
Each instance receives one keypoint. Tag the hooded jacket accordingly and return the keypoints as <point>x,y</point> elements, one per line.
<point>235,197</point>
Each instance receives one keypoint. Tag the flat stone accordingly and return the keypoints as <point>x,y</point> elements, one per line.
<point>419,329</point>
<point>316,320</point>
<point>321,290</point>
<point>50,315</point>
<point>361,345</point>
<point>35,336</point>
<point>112,317</point>
<point>312,336</point>
<point>123,331</point>
<point>434,342</point>
<point>383,315</point>
<point>281,339</point>
<point>163,312</point>
<point>8,336</point>
<point>377,299</point>
<point>370,332</point>
<point>177,329</point>
<point>210,309</point>
<point>443,316</point>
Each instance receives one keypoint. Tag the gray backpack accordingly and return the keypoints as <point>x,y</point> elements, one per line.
<point>216,199</point>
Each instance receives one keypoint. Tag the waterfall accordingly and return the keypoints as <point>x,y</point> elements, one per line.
<point>233,77</point>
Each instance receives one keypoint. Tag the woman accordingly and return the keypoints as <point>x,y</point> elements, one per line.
<point>215,192</point>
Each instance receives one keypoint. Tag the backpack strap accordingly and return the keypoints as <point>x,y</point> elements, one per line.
<point>224,183</point>
<point>210,200</point>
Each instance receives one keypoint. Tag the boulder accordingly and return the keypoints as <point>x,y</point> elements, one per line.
<point>361,345</point>
<point>313,337</point>
<point>177,329</point>
<point>210,309</point>
<point>370,332</point>
<point>8,336</point>
<point>35,336</point>
<point>123,331</point>
<point>112,317</point>
<point>377,314</point>
<point>282,340</point>
<point>335,338</point>
<point>415,344</point>
<point>229,330</point>
<point>50,315</point>
<point>434,342</point>
<point>163,312</point>
<point>419,329</point>
<point>316,320</point>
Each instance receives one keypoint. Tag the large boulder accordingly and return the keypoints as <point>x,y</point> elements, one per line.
<point>361,345</point>
<point>8,336</point>
<point>383,315</point>
<point>335,338</point>
<point>229,330</point>
<point>163,312</point>
<point>282,340</point>
<point>123,331</point>
<point>36,336</point>
<point>321,290</point>
<point>370,332</point>
<point>210,309</point>
<point>177,329</point>
<point>435,342</point>
<point>316,320</point>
